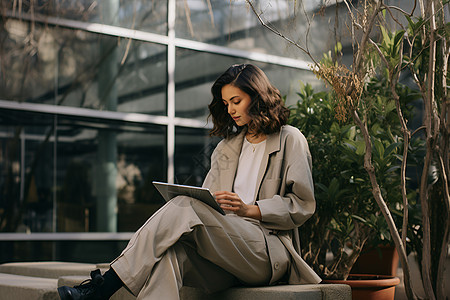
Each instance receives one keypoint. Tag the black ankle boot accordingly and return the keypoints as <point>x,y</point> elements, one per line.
<point>87,290</point>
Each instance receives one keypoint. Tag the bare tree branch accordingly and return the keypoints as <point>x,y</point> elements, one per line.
<point>211,14</point>
<point>389,7</point>
<point>187,11</point>
<point>127,49</point>
<point>428,121</point>
<point>277,32</point>
<point>362,47</point>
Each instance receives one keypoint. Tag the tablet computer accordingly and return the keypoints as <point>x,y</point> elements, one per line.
<point>170,190</point>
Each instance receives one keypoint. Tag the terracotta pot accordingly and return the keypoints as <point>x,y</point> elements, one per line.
<point>380,261</point>
<point>370,287</point>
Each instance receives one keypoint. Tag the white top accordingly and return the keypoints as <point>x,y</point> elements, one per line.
<point>247,171</point>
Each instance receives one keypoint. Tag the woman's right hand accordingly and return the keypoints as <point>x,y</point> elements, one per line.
<point>232,202</point>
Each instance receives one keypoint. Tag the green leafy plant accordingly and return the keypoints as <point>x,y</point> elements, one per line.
<point>347,218</point>
<point>389,42</point>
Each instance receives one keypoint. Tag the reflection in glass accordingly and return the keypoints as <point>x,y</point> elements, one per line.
<point>143,15</point>
<point>26,198</point>
<point>288,80</point>
<point>196,72</point>
<point>88,69</point>
<point>140,159</point>
<point>193,149</point>
<point>194,75</point>
<point>31,176</point>
<point>233,24</point>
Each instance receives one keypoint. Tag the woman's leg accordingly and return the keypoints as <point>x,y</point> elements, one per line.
<point>182,266</point>
<point>230,242</point>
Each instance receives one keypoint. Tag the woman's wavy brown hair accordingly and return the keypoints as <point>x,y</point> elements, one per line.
<point>267,109</point>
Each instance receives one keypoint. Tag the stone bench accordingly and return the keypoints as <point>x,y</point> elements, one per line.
<point>48,269</point>
<point>20,287</point>
<point>285,292</point>
<point>39,280</point>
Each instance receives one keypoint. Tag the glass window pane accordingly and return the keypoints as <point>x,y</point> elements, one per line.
<point>26,173</point>
<point>90,70</point>
<point>287,80</point>
<point>193,149</point>
<point>143,15</point>
<point>233,24</point>
<point>120,161</point>
<point>97,163</point>
<point>196,72</point>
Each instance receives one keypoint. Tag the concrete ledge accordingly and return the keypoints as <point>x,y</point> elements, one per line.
<point>47,269</point>
<point>39,280</point>
<point>285,292</point>
<point>334,291</point>
<point>26,288</point>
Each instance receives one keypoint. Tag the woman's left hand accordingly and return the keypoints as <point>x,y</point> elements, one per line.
<point>232,202</point>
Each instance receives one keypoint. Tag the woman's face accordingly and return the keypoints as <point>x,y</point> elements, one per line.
<point>237,103</point>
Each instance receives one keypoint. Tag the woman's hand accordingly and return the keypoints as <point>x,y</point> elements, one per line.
<point>232,202</point>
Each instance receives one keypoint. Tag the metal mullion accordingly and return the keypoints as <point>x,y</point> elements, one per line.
<point>171,14</point>
<point>100,115</point>
<point>255,56</point>
<point>93,27</point>
<point>83,112</point>
<point>22,164</point>
<point>143,36</point>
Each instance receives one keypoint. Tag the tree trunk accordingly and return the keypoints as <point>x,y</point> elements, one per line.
<point>384,208</point>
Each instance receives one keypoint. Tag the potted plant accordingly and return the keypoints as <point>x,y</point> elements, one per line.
<point>418,46</point>
<point>332,227</point>
<point>347,220</point>
<point>346,216</point>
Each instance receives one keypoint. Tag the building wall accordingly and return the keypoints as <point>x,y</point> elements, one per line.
<point>100,98</point>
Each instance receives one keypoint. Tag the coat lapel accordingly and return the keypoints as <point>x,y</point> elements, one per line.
<point>229,161</point>
<point>272,145</point>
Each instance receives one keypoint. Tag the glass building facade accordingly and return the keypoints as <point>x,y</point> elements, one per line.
<point>100,98</point>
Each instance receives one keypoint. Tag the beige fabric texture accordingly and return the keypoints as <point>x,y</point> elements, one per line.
<point>285,195</point>
<point>236,245</point>
<point>228,248</point>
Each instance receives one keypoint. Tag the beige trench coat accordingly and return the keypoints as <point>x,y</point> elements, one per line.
<point>285,194</point>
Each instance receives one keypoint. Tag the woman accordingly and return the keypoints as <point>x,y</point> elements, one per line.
<point>260,175</point>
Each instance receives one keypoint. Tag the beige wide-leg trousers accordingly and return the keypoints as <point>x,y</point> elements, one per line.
<point>186,242</point>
